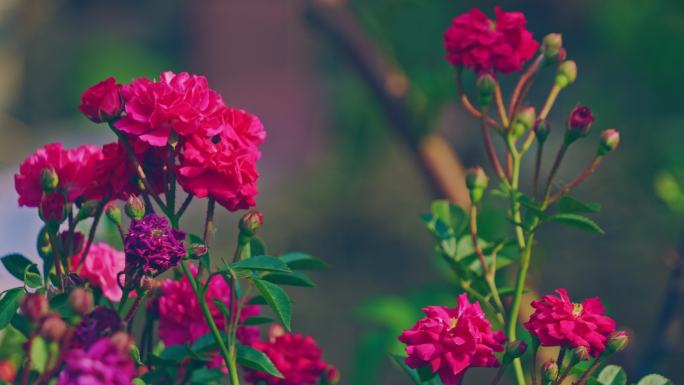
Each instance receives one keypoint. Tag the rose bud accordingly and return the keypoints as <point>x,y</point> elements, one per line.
<point>49,180</point>
<point>485,86</point>
<point>275,331</point>
<point>476,182</point>
<point>332,374</point>
<point>251,223</point>
<point>87,210</point>
<point>53,209</point>
<point>581,353</point>
<point>523,121</point>
<point>610,139</point>
<point>515,349</point>
<point>113,212</point>
<point>53,328</point>
<point>43,243</point>
<point>617,342</point>
<point>551,47</point>
<point>566,74</point>
<point>579,123</point>
<point>103,101</point>
<point>122,341</point>
<point>81,300</point>
<point>135,207</point>
<point>549,371</point>
<point>34,306</point>
<point>541,130</point>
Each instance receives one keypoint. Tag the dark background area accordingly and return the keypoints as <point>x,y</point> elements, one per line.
<point>336,180</point>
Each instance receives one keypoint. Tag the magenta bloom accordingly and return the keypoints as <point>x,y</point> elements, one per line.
<point>74,169</point>
<point>103,101</point>
<point>99,323</point>
<point>180,102</point>
<point>580,121</point>
<point>151,246</point>
<point>223,167</point>
<point>450,341</point>
<point>297,357</point>
<point>100,364</point>
<point>180,316</point>
<point>557,321</point>
<point>485,45</point>
<point>101,268</point>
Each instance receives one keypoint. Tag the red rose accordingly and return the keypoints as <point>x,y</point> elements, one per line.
<point>102,102</point>
<point>476,42</point>
<point>580,121</point>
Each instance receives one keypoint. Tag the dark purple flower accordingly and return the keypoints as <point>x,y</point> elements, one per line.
<point>152,246</point>
<point>103,363</point>
<point>101,322</point>
<point>580,122</point>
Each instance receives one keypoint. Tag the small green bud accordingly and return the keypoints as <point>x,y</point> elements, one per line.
<point>523,121</point>
<point>113,212</point>
<point>581,353</point>
<point>514,350</point>
<point>43,243</point>
<point>49,180</point>
<point>617,342</point>
<point>476,182</point>
<point>485,86</point>
<point>87,210</point>
<point>251,223</point>
<point>135,207</point>
<point>552,47</point>
<point>610,139</point>
<point>549,371</point>
<point>566,74</point>
<point>541,128</point>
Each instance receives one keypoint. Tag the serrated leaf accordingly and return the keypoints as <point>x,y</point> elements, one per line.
<point>32,277</point>
<point>612,375</point>
<point>655,379</point>
<point>577,221</point>
<point>569,204</point>
<point>292,279</point>
<point>261,263</point>
<point>251,321</point>
<point>278,300</point>
<point>257,360</point>
<point>303,261</point>
<point>9,305</point>
<point>16,265</point>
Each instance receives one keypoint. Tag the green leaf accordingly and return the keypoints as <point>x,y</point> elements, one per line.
<point>21,324</point>
<point>612,375</point>
<point>655,379</point>
<point>412,373</point>
<point>205,375</point>
<point>261,263</point>
<point>32,277</point>
<point>139,381</point>
<point>531,205</point>
<point>257,360</point>
<point>173,353</point>
<point>16,264</point>
<point>222,307</point>
<point>303,261</point>
<point>257,321</point>
<point>292,279</point>
<point>278,300</point>
<point>257,246</point>
<point>257,300</point>
<point>577,221</point>
<point>569,204</point>
<point>206,342</point>
<point>135,355</point>
<point>9,305</point>
<point>39,354</point>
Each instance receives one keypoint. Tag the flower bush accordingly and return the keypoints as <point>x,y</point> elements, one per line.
<point>160,311</point>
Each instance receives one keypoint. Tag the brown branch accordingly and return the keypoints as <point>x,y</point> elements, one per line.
<point>389,85</point>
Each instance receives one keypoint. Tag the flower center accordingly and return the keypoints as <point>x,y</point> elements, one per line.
<point>453,322</point>
<point>491,24</point>
<point>577,309</point>
<point>157,232</point>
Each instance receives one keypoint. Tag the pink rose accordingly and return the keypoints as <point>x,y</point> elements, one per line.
<point>102,102</point>
<point>101,268</point>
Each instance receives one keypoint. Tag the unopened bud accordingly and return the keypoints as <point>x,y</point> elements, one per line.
<point>549,371</point>
<point>581,353</point>
<point>579,123</point>
<point>332,374</point>
<point>523,121</point>
<point>34,306</point>
<point>251,223</point>
<point>149,283</point>
<point>53,209</point>
<point>81,300</point>
<point>610,139</point>
<point>617,342</point>
<point>198,250</point>
<point>113,212</point>
<point>541,128</point>
<point>275,331</point>
<point>552,45</point>
<point>566,74</point>
<point>515,349</point>
<point>135,208</point>
<point>87,210</point>
<point>122,341</point>
<point>49,180</point>
<point>53,328</point>
<point>476,182</point>
<point>43,243</point>
<point>485,86</point>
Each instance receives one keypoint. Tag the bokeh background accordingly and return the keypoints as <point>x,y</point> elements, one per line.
<point>339,181</point>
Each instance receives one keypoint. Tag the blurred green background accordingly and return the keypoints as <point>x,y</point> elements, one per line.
<point>336,180</point>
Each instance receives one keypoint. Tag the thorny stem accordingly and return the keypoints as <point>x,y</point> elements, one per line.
<point>489,146</point>
<point>91,235</point>
<point>209,222</point>
<point>518,93</point>
<point>537,168</point>
<point>588,373</point>
<point>487,273</point>
<point>56,256</point>
<point>184,206</point>
<point>579,179</point>
<point>554,169</point>
<point>533,364</point>
<point>499,375</point>
<point>550,100</point>
<point>500,105</point>
<point>134,307</point>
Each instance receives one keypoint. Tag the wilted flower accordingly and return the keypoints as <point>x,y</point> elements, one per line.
<point>151,246</point>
